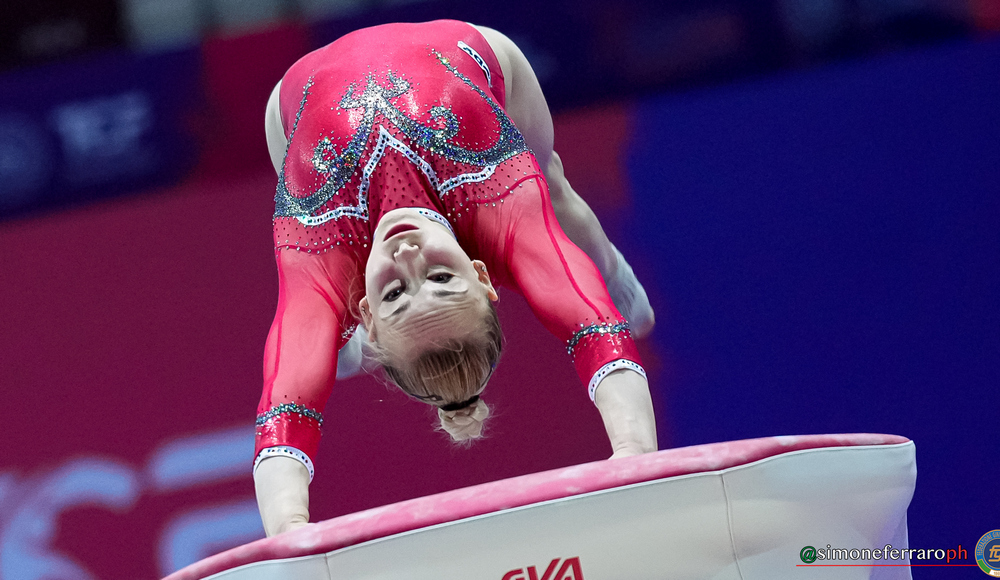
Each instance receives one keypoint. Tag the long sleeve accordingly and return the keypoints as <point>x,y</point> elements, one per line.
<point>521,240</point>
<point>300,358</point>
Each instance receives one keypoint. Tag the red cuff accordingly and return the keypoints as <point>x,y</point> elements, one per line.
<point>598,344</point>
<point>291,425</point>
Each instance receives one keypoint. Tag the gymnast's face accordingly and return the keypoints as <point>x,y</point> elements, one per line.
<point>420,285</point>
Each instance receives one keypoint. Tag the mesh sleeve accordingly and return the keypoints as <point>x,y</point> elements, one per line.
<point>561,284</point>
<point>300,356</point>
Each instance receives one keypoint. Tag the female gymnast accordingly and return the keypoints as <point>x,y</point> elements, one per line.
<point>415,175</point>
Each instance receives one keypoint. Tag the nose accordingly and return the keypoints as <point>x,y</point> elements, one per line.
<point>408,257</point>
<point>405,251</point>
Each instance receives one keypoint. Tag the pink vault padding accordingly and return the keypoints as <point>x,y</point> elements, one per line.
<point>520,491</point>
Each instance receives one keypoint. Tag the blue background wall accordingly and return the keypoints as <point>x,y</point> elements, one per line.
<point>824,252</point>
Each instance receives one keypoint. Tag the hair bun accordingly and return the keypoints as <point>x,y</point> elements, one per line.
<point>466,423</point>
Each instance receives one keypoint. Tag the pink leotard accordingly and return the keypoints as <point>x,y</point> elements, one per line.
<point>409,115</point>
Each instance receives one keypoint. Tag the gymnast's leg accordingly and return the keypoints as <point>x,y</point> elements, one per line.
<point>526,106</point>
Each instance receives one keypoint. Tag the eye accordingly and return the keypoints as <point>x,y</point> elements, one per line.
<point>393,294</point>
<point>440,278</point>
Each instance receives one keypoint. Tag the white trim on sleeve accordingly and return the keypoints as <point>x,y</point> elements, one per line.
<point>285,451</point>
<point>607,369</point>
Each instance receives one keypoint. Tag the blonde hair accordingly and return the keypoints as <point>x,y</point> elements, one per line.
<point>453,372</point>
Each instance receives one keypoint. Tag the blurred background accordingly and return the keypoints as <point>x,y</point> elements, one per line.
<point>807,188</point>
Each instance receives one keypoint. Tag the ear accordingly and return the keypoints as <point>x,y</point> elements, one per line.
<point>366,316</point>
<point>484,278</point>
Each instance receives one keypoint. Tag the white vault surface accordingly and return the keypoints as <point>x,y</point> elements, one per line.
<point>746,522</point>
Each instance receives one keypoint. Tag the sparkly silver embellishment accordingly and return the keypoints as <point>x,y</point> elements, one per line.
<point>454,182</point>
<point>338,167</point>
<point>601,328</point>
<point>479,60</point>
<point>294,408</point>
<point>348,332</point>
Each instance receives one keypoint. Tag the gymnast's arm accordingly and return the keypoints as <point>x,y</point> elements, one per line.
<point>300,366</point>
<point>281,481</point>
<point>623,398</point>
<point>567,294</point>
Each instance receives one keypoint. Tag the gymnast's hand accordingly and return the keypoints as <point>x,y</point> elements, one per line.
<point>282,486</point>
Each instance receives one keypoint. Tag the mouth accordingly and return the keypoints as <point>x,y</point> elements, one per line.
<point>399,229</point>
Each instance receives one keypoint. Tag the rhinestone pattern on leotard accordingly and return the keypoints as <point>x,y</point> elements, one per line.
<point>337,167</point>
<point>598,329</point>
<point>293,408</point>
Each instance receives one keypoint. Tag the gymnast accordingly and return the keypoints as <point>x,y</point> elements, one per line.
<point>415,176</point>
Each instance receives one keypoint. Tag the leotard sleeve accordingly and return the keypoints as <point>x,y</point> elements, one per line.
<point>312,321</point>
<point>521,241</point>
